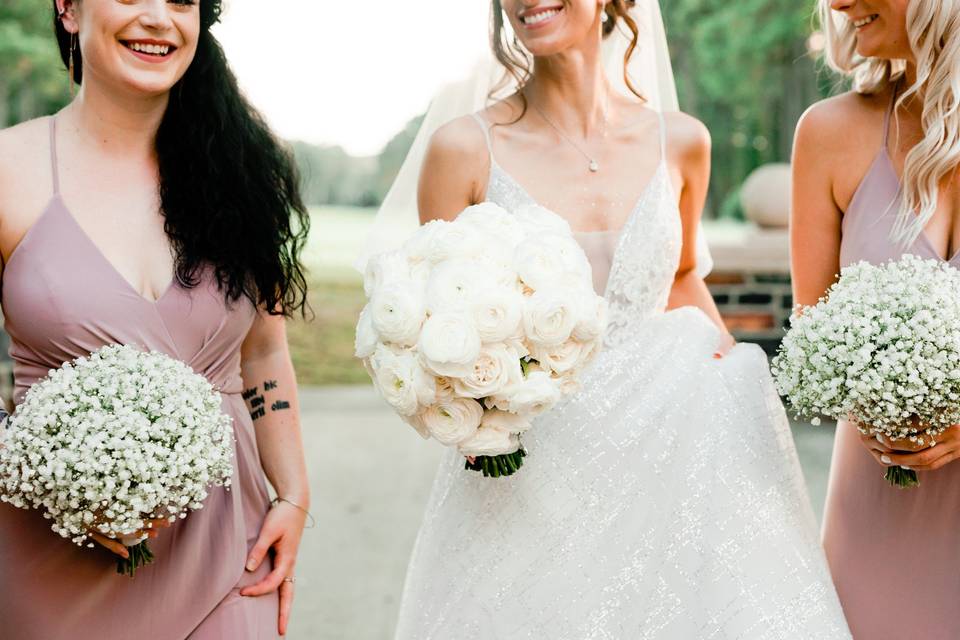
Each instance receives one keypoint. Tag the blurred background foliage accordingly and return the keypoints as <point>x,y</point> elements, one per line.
<point>746,68</point>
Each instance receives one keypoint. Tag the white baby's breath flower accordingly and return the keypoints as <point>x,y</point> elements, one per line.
<point>883,348</point>
<point>110,440</point>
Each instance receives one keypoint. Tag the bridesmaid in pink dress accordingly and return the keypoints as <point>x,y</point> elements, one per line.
<point>156,210</point>
<point>894,553</point>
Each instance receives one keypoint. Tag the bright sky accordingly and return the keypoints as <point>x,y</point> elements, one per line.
<point>346,72</point>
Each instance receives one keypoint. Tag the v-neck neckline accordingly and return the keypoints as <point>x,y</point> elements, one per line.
<point>922,237</point>
<point>110,266</point>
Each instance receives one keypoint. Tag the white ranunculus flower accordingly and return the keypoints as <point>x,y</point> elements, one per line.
<point>488,441</point>
<point>366,338</point>
<point>549,317</point>
<point>537,393</point>
<point>499,313</point>
<point>397,312</point>
<point>419,247</point>
<point>495,369</point>
<point>552,260</point>
<point>593,318</point>
<point>505,421</point>
<point>455,241</point>
<point>537,221</point>
<point>449,344</point>
<point>491,220</point>
<point>452,421</point>
<point>383,268</point>
<point>454,285</point>
<point>562,358</point>
<point>396,378</point>
<point>416,421</point>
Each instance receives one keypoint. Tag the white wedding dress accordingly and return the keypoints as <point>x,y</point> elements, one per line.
<point>663,501</point>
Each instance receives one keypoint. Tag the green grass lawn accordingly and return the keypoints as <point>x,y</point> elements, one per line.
<point>322,345</point>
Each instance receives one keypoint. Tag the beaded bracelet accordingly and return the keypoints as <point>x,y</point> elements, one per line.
<point>312,522</point>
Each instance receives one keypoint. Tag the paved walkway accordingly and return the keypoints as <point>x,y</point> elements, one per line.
<point>371,475</point>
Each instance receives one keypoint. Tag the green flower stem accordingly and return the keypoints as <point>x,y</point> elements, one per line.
<point>496,466</point>
<point>903,478</point>
<point>140,555</point>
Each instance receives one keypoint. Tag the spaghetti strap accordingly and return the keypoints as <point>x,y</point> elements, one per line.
<point>887,116</point>
<point>53,155</point>
<point>486,131</point>
<point>663,136</point>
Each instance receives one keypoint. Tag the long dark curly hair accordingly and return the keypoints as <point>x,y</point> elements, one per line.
<point>518,62</point>
<point>229,190</point>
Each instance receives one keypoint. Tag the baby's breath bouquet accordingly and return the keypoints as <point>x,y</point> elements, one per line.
<point>107,442</point>
<point>881,348</point>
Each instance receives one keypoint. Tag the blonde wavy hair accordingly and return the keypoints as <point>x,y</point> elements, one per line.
<point>933,28</point>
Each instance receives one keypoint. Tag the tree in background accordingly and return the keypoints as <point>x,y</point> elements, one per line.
<point>33,81</point>
<point>743,68</point>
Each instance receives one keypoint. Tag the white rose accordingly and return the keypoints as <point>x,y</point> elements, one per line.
<point>396,377</point>
<point>495,369</point>
<point>490,442</point>
<point>383,268</point>
<point>549,316</point>
<point>505,421</point>
<point>397,312</point>
<point>537,221</point>
<point>452,421</point>
<point>537,393</point>
<point>449,344</point>
<point>366,338</point>
<point>498,312</point>
<point>552,259</point>
<point>454,285</point>
<point>593,318</point>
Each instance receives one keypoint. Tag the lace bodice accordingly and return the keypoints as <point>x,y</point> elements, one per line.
<point>646,250</point>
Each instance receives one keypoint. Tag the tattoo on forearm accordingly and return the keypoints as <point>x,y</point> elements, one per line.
<point>258,403</point>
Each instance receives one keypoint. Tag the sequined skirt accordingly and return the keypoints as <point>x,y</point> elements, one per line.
<point>663,501</point>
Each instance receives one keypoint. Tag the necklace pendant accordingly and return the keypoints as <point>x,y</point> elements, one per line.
<point>594,167</point>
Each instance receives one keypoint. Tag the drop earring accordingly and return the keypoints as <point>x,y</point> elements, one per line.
<point>70,65</point>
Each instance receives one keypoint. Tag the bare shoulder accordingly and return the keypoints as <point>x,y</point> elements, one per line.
<point>25,176</point>
<point>21,145</point>
<point>460,140</point>
<point>687,137</point>
<point>834,122</point>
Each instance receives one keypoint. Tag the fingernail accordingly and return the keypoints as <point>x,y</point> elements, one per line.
<point>879,438</point>
<point>903,466</point>
<point>251,565</point>
<point>886,460</point>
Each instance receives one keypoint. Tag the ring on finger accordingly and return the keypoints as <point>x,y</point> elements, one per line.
<point>290,579</point>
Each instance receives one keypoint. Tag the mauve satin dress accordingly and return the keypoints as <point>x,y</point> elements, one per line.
<point>63,299</point>
<point>894,553</point>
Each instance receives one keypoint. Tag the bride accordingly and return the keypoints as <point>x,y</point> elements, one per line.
<point>665,499</point>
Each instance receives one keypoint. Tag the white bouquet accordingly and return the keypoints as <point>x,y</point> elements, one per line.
<point>882,349</point>
<point>109,441</point>
<point>478,325</point>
